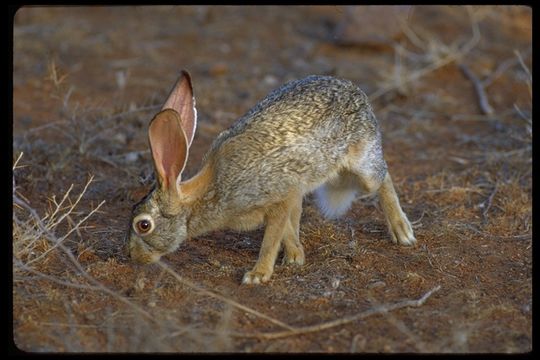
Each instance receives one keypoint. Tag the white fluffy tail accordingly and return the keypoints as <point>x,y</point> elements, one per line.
<point>334,201</point>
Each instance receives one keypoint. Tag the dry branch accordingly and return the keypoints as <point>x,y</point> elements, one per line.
<point>222,298</point>
<point>479,88</point>
<point>481,85</point>
<point>382,309</point>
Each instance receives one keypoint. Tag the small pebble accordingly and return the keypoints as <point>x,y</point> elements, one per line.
<point>219,69</point>
<point>376,284</point>
<point>121,138</point>
<point>214,262</point>
<point>132,156</point>
<point>270,80</point>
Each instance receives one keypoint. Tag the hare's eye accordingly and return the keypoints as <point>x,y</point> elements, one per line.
<point>143,224</point>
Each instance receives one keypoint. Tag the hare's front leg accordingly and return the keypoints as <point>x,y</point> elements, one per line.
<point>277,219</point>
<point>399,226</point>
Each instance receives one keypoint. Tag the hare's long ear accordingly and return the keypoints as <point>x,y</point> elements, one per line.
<point>169,146</point>
<point>181,100</point>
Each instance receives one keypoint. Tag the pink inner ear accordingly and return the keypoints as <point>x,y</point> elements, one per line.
<point>182,101</point>
<point>169,147</point>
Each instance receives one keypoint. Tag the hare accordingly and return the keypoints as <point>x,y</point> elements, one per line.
<point>317,134</point>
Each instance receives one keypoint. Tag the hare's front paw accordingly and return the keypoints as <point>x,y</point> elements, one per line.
<point>294,255</point>
<point>257,276</point>
<point>401,231</point>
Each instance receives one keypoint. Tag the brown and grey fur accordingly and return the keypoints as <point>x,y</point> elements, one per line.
<point>315,134</point>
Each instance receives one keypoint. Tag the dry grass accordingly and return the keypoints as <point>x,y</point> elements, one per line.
<point>41,256</point>
<point>435,54</point>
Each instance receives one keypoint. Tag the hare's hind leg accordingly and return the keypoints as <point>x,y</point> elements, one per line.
<point>293,250</point>
<point>368,164</point>
<point>277,221</point>
<point>399,226</point>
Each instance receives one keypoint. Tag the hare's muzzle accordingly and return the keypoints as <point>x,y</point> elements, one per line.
<point>139,254</point>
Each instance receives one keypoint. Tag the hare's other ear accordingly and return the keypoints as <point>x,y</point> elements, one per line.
<point>169,147</point>
<point>182,101</point>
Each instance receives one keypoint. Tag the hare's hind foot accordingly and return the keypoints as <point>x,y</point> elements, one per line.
<point>398,225</point>
<point>401,231</point>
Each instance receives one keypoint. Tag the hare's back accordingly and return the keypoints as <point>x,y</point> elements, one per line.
<point>295,137</point>
<point>301,105</point>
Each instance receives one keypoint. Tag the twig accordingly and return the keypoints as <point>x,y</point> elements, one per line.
<point>522,115</point>
<point>438,267</point>
<point>454,188</point>
<point>479,89</point>
<point>18,263</point>
<point>415,222</point>
<point>478,117</point>
<point>222,298</point>
<point>522,63</point>
<point>411,35</point>
<point>428,256</point>
<point>487,204</point>
<point>418,343</point>
<point>108,119</point>
<point>499,237</point>
<point>58,207</point>
<point>453,56</point>
<point>382,309</point>
<point>503,66</point>
<point>17,160</point>
<point>481,85</point>
<point>355,341</point>
<point>74,325</point>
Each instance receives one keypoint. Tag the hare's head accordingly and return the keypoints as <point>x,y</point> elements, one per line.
<point>158,222</point>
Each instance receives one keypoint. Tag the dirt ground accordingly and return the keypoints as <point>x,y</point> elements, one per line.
<point>86,82</point>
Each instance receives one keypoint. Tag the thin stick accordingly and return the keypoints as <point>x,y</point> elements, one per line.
<point>487,204</point>
<point>479,89</point>
<point>522,63</point>
<point>503,66</point>
<point>522,115</point>
<point>346,320</point>
<point>17,161</point>
<point>58,208</point>
<point>418,343</point>
<point>499,237</point>
<point>72,206</point>
<point>222,298</point>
